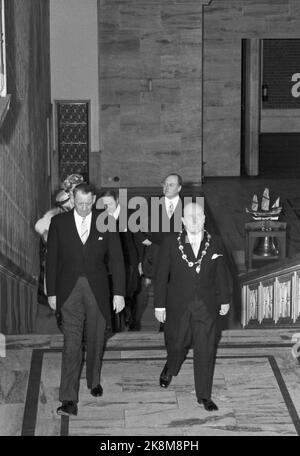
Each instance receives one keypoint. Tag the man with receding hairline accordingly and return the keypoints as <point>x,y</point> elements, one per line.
<point>77,285</point>
<point>164,219</point>
<point>192,286</point>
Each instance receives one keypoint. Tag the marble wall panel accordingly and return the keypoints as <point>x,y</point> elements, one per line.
<point>222,93</point>
<point>221,142</point>
<point>149,58</point>
<point>166,46</point>
<point>279,28</point>
<point>119,91</point>
<point>169,52</point>
<point>142,17</point>
<point>265,8</point>
<point>182,65</point>
<point>226,24</point>
<point>167,90</point>
<point>109,18</point>
<point>110,118</point>
<point>181,16</point>
<point>142,119</point>
<point>294,8</point>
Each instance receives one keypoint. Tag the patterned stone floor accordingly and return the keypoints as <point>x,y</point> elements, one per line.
<point>256,386</point>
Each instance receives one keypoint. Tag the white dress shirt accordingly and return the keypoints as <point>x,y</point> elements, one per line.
<point>173,201</point>
<point>195,241</point>
<point>116,213</point>
<point>78,222</point>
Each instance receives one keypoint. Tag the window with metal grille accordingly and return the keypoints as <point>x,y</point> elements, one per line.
<point>73,138</point>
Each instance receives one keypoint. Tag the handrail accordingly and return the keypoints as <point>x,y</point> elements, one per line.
<point>273,270</point>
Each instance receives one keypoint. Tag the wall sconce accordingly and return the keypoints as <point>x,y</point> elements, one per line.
<point>265,92</point>
<point>150,85</point>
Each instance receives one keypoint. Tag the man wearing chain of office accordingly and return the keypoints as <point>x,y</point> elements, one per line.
<point>192,286</point>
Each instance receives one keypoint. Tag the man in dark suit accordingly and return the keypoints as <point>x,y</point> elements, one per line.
<point>77,286</point>
<point>109,200</point>
<point>192,285</point>
<point>164,218</point>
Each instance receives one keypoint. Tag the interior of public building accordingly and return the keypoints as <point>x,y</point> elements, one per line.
<point>123,94</point>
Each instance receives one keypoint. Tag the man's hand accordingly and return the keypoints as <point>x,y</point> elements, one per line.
<point>118,303</point>
<point>147,242</point>
<point>160,315</point>
<point>224,309</point>
<point>52,302</point>
<point>147,282</point>
<point>140,268</point>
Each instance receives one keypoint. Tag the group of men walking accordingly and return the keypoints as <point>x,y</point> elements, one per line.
<point>88,265</point>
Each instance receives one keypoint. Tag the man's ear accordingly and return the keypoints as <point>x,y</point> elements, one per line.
<point>94,199</point>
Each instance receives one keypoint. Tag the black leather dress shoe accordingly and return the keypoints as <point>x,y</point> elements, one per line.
<point>209,405</point>
<point>97,391</point>
<point>67,408</point>
<point>165,377</point>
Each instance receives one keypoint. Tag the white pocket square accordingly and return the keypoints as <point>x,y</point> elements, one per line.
<point>100,238</point>
<point>216,255</point>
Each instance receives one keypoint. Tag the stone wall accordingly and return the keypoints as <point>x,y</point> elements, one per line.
<point>226,23</point>
<point>24,179</point>
<point>147,132</point>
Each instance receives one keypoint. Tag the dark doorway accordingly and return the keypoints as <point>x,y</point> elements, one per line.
<point>279,149</point>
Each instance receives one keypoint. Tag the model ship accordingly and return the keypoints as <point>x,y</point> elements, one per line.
<point>266,213</point>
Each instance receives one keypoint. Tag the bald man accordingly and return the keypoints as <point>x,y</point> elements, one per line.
<point>192,286</point>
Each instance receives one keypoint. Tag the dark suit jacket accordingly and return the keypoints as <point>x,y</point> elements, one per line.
<point>68,258</point>
<point>176,284</point>
<point>158,222</point>
<point>127,241</point>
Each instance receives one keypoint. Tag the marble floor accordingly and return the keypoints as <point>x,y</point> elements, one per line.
<point>256,386</point>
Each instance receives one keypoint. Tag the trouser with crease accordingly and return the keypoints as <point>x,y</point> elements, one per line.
<point>79,310</point>
<point>198,329</point>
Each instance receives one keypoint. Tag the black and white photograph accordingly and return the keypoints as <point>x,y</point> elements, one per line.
<point>149,222</point>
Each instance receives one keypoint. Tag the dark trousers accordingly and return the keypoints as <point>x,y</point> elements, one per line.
<point>197,329</point>
<point>79,310</point>
<point>140,303</point>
